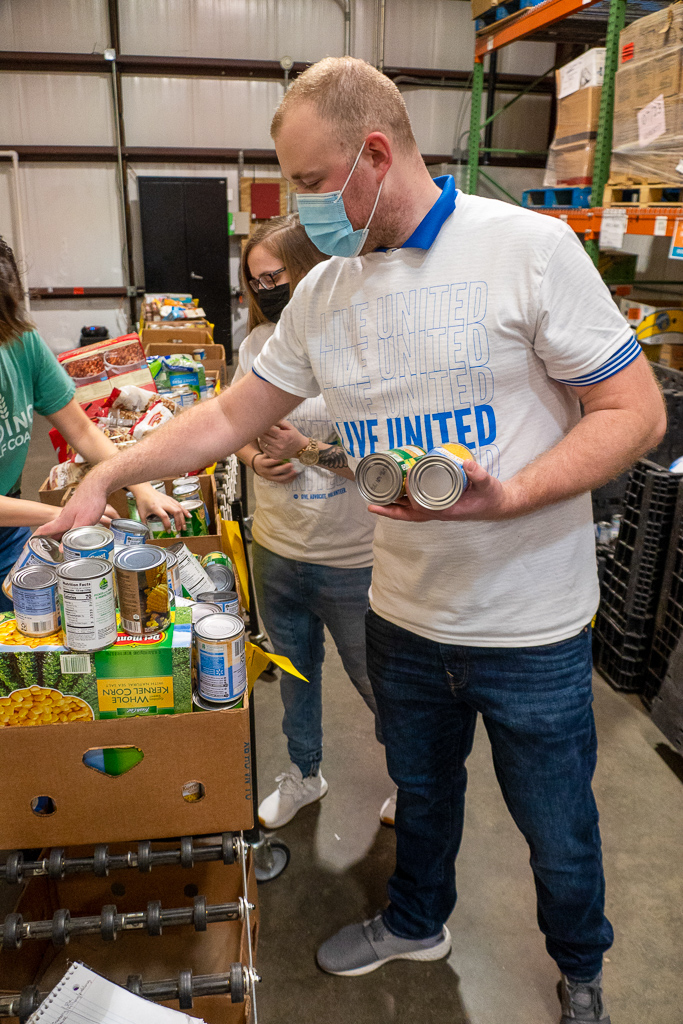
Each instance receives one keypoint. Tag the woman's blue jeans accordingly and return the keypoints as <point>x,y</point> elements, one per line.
<point>536,704</point>
<point>296,601</point>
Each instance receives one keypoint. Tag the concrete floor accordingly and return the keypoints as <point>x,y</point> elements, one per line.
<point>498,971</point>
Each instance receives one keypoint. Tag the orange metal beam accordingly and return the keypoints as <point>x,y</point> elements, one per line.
<point>532,20</point>
<point>641,220</point>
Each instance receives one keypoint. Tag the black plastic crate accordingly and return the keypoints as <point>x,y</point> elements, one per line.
<point>631,585</point>
<point>620,657</point>
<point>669,619</point>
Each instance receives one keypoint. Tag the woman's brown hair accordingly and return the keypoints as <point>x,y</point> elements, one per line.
<point>286,239</point>
<point>13,319</point>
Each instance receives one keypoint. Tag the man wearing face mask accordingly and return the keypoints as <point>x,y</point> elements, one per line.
<point>449,317</point>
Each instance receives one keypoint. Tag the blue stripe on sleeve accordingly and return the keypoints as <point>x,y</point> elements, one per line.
<point>626,354</point>
<point>259,375</point>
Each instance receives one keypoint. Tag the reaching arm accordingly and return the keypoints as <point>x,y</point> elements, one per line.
<point>624,416</point>
<point>269,469</point>
<point>200,435</point>
<point>85,438</point>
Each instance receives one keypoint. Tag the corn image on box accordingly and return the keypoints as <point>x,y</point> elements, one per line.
<point>42,684</point>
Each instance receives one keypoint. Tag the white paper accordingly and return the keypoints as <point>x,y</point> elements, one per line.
<point>660,225</point>
<point>613,229</point>
<point>89,998</point>
<point>679,166</point>
<point>651,122</point>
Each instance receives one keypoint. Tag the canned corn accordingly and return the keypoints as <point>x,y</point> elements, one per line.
<point>196,525</point>
<point>157,529</point>
<point>142,585</point>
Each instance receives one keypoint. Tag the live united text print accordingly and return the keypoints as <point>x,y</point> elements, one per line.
<point>412,367</point>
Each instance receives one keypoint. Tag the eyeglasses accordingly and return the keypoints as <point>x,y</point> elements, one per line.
<point>266,281</point>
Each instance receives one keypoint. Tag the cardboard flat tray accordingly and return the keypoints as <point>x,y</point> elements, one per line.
<point>146,803</point>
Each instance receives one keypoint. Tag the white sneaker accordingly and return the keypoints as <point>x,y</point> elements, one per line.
<point>387,814</point>
<point>293,793</point>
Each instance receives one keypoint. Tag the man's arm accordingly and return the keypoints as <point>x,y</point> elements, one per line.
<point>206,432</point>
<point>624,417</point>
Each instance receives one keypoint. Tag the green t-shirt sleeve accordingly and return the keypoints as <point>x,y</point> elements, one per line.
<point>53,388</point>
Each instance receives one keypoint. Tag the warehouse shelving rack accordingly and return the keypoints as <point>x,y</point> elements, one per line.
<point>535,22</point>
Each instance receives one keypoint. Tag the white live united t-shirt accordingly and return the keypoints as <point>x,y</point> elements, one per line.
<point>470,341</point>
<point>319,516</point>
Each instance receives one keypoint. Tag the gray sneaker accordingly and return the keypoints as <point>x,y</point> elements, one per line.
<point>361,948</point>
<point>582,1001</point>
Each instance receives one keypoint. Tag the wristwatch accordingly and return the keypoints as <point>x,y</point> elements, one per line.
<point>309,455</point>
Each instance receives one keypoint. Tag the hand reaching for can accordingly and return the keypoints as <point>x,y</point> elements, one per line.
<point>151,502</point>
<point>486,498</point>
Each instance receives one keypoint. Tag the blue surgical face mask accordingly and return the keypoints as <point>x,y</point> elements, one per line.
<point>323,215</point>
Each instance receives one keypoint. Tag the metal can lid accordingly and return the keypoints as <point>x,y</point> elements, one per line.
<point>200,609</point>
<point>158,485</point>
<point>222,577</point>
<point>84,569</point>
<point>219,627</point>
<point>81,538</point>
<point>140,559</point>
<point>171,559</point>
<point>379,479</point>
<point>181,481</point>
<point>180,550</point>
<point>218,595</point>
<point>129,526</point>
<point>154,521</point>
<point>192,504</point>
<point>215,705</point>
<point>435,482</point>
<point>34,577</point>
<point>46,548</point>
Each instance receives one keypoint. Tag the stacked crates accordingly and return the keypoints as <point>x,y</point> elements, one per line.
<point>632,580</point>
<point>669,619</point>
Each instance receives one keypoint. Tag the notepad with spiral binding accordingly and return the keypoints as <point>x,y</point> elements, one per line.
<point>88,998</point>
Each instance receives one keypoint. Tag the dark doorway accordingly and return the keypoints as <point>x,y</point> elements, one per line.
<point>185,244</point>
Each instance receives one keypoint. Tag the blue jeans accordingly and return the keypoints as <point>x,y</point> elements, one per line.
<point>296,601</point>
<point>12,540</point>
<point>536,703</point>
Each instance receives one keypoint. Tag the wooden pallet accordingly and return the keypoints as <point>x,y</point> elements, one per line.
<point>643,194</point>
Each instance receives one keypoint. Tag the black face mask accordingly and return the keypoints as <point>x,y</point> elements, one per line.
<point>273,301</point>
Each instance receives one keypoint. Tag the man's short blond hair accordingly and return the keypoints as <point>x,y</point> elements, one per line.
<point>354,98</point>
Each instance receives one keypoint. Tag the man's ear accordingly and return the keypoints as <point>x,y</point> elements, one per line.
<point>378,147</point>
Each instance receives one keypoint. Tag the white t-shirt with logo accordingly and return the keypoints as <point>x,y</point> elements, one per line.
<point>318,516</point>
<point>467,341</point>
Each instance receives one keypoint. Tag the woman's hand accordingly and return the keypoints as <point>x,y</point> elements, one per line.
<point>151,502</point>
<point>282,441</point>
<point>273,469</point>
<point>109,514</point>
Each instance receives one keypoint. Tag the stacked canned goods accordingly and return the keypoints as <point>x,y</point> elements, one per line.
<point>88,542</point>
<point>381,477</point>
<point>36,551</point>
<point>87,604</point>
<point>157,529</point>
<point>34,593</point>
<point>142,584</point>
<point>193,576</point>
<point>219,648</point>
<point>128,533</point>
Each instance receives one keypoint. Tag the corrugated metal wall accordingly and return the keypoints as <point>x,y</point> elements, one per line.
<point>73,231</point>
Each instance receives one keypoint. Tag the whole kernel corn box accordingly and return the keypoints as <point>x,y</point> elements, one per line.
<point>41,683</point>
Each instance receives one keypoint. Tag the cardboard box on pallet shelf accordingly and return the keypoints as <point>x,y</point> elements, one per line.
<point>176,333</point>
<point>41,683</point>
<point>647,143</point>
<point>155,958</point>
<point>579,88</point>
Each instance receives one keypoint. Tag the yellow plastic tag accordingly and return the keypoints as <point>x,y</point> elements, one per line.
<point>258,660</point>
<point>232,541</point>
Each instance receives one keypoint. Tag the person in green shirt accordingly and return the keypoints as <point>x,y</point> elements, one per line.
<point>31,380</point>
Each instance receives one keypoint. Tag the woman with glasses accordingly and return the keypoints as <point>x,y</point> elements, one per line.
<point>312,549</point>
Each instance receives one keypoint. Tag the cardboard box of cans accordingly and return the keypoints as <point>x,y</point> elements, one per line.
<point>59,496</point>
<point>212,951</point>
<point>41,683</point>
<point>155,799</point>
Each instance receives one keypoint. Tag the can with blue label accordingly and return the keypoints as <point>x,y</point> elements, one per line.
<point>36,551</point>
<point>88,542</point>
<point>128,533</point>
<point>227,600</point>
<point>34,593</point>
<point>220,658</point>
